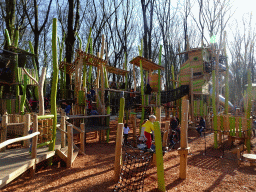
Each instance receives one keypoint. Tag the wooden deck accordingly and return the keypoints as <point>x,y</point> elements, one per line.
<point>14,162</point>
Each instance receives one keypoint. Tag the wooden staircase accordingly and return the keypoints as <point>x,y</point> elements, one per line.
<point>64,155</point>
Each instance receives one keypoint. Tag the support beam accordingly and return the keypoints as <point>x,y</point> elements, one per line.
<point>118,151</point>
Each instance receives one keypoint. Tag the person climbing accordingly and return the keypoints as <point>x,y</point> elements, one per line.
<point>149,127</point>
<point>68,108</point>
<point>126,131</point>
<point>201,126</point>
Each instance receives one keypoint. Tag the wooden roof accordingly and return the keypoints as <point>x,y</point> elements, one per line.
<point>70,67</point>
<point>90,59</point>
<point>146,64</point>
<point>194,50</point>
<point>117,71</point>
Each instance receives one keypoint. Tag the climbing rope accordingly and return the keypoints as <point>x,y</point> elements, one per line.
<point>133,171</point>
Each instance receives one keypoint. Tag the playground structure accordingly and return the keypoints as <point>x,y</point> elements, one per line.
<point>194,81</point>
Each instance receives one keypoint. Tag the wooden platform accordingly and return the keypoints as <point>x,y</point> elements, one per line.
<point>14,162</point>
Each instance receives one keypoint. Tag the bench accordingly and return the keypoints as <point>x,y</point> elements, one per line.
<point>251,158</point>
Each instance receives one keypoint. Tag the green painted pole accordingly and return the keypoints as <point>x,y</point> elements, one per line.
<point>23,98</point>
<point>16,42</point>
<point>90,67</point>
<point>159,157</point>
<point>54,82</point>
<point>159,78</point>
<point>142,87</point>
<point>214,110</point>
<point>7,37</point>
<point>121,110</point>
<point>248,112</point>
<point>35,67</point>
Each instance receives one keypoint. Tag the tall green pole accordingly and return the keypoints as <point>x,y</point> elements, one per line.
<point>159,78</point>
<point>142,87</point>
<point>121,110</point>
<point>23,98</point>
<point>214,110</point>
<point>35,67</point>
<point>159,157</point>
<point>54,82</point>
<point>16,43</point>
<point>90,67</point>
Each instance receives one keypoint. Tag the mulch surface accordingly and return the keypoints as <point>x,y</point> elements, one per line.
<point>95,171</point>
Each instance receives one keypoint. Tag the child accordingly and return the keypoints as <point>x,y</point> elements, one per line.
<point>126,131</point>
<point>149,127</point>
<point>172,136</point>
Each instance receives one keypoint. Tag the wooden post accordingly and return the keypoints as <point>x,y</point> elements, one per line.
<point>183,150</point>
<point>26,128</point>
<point>118,151</point>
<point>4,132</point>
<point>166,133</point>
<point>34,145</point>
<point>63,127</point>
<point>82,137</point>
<point>70,146</point>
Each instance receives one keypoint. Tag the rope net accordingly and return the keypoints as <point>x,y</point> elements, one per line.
<point>133,171</point>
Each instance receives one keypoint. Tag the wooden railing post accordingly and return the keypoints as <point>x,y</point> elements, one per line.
<point>34,145</point>
<point>26,128</point>
<point>82,136</point>
<point>63,127</point>
<point>4,131</point>
<point>70,146</point>
<point>118,151</point>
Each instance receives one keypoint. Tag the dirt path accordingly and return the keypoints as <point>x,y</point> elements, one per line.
<point>94,172</point>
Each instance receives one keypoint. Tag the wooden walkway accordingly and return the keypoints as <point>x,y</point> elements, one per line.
<point>14,162</point>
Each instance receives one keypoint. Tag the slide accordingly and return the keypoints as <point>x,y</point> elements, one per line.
<point>222,102</point>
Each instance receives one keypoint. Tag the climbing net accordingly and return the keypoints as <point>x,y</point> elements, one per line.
<point>135,165</point>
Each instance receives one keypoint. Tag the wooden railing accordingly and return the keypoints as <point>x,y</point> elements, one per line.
<point>11,124</point>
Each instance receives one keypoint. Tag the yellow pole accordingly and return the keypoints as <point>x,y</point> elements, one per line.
<point>159,157</point>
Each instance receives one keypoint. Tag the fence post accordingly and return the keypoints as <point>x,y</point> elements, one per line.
<point>4,131</point>
<point>118,151</point>
<point>70,145</point>
<point>63,127</point>
<point>26,128</point>
<point>82,136</point>
<point>34,145</point>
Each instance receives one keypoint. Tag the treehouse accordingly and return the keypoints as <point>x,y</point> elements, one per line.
<point>196,71</point>
<point>12,77</point>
